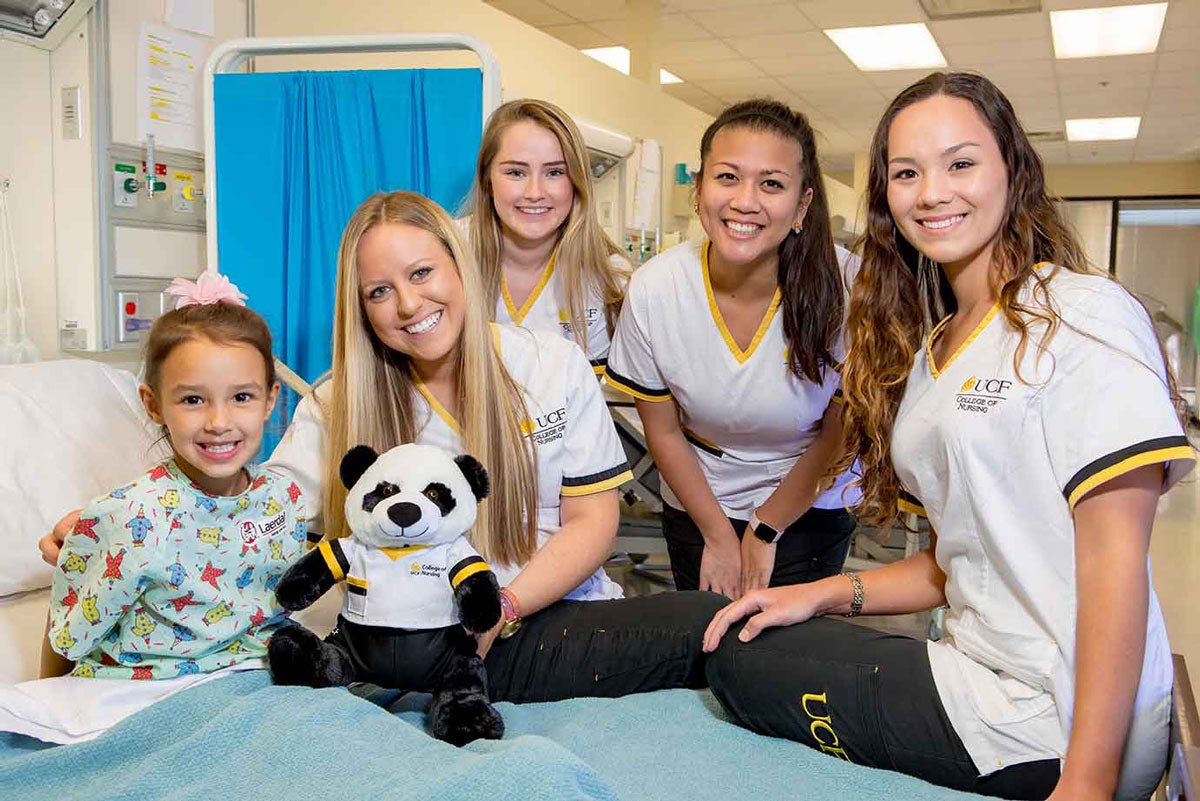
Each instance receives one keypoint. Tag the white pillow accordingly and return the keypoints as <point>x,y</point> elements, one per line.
<point>72,431</point>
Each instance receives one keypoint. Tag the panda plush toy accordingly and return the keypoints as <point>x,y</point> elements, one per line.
<point>416,589</point>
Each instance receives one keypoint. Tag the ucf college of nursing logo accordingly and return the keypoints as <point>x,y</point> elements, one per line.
<point>982,395</point>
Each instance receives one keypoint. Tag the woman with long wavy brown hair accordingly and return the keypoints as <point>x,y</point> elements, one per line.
<point>1019,399</point>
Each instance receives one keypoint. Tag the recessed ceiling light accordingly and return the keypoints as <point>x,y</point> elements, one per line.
<point>618,59</point>
<point>889,47</point>
<point>1114,31</point>
<point>1103,129</point>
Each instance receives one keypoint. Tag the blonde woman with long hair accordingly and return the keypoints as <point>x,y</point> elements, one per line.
<point>416,360</point>
<point>546,262</point>
<point>1035,427</point>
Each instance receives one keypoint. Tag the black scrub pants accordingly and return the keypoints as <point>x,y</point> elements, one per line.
<point>860,695</point>
<point>812,548</point>
<point>570,649</point>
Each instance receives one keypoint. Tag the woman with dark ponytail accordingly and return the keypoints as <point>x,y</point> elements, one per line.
<point>730,346</point>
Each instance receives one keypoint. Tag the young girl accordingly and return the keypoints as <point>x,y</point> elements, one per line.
<point>730,347</point>
<point>547,264</point>
<point>1034,426</point>
<point>174,574</point>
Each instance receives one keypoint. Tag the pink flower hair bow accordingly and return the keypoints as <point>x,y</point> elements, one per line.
<point>208,288</point>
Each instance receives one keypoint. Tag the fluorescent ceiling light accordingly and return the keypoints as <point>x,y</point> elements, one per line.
<point>1115,31</point>
<point>1102,130</point>
<point>618,59</point>
<point>889,47</point>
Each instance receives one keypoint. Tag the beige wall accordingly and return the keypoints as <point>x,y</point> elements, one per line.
<point>25,159</point>
<point>1124,180</point>
<point>532,64</point>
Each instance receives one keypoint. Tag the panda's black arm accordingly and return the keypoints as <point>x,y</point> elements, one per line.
<point>477,593</point>
<point>312,576</point>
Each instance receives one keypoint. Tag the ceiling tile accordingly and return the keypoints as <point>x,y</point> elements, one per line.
<point>1100,152</point>
<point>1183,13</point>
<point>821,67</point>
<point>1009,50</point>
<point>1177,79</point>
<point>697,50</point>
<point>1110,65</point>
<point>590,10</point>
<point>1087,105</point>
<point>812,43</point>
<point>713,70</point>
<point>846,84</point>
<point>671,28</point>
<point>690,93</point>
<point>1180,60</point>
<point>1052,152</point>
<point>783,18</point>
<point>705,5</point>
<point>827,14</point>
<point>1120,87</point>
<point>579,35</point>
<point>533,12</point>
<point>1178,38</point>
<point>733,89</point>
<point>1170,126</point>
<point>991,29</point>
<point>892,82</point>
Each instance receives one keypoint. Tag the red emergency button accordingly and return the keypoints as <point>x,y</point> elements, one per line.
<point>130,308</point>
<point>160,169</point>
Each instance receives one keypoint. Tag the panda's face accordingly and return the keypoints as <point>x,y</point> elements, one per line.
<point>410,495</point>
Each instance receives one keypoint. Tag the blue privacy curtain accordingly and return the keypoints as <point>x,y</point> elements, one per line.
<point>297,152</point>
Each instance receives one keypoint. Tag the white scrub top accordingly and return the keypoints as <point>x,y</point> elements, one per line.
<point>546,310</point>
<point>578,452</point>
<point>997,464</point>
<point>746,415</point>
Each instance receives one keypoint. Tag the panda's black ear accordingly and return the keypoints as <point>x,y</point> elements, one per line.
<point>355,463</point>
<point>476,475</point>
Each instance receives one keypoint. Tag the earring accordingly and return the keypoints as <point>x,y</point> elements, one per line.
<point>797,227</point>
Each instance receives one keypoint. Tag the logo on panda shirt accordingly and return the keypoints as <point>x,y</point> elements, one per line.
<point>982,395</point>
<point>546,428</point>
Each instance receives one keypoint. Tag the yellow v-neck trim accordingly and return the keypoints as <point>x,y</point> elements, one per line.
<point>518,315</point>
<point>730,342</point>
<point>436,405</point>
<point>937,329</point>
<point>401,550</point>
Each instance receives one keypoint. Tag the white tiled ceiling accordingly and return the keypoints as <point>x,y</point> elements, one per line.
<point>728,50</point>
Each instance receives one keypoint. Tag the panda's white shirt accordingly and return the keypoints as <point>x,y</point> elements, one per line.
<point>406,588</point>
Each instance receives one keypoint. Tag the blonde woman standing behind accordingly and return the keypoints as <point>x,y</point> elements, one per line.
<point>546,262</point>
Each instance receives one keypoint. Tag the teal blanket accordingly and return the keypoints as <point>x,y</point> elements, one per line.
<point>241,737</point>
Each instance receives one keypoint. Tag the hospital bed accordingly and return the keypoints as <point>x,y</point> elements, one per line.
<point>75,429</point>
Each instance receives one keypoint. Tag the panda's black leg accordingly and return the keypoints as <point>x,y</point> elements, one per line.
<point>461,711</point>
<point>296,656</point>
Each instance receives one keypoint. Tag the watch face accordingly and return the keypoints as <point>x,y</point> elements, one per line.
<point>765,532</point>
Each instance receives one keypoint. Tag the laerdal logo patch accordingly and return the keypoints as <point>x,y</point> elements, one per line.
<point>982,395</point>
<point>546,428</point>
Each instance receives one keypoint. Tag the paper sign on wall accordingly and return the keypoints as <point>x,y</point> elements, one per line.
<point>197,16</point>
<point>168,85</point>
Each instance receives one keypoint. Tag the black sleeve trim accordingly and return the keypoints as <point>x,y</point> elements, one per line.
<point>595,478</point>
<point>638,389</point>
<point>1121,461</point>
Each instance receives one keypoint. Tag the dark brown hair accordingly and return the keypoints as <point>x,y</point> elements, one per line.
<point>810,278</point>
<point>220,323</point>
<point>891,310</point>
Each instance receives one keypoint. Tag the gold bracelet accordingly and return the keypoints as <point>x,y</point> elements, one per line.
<point>856,601</point>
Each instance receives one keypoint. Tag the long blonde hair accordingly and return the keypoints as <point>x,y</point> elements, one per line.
<point>897,293</point>
<point>583,251</point>
<point>371,402</point>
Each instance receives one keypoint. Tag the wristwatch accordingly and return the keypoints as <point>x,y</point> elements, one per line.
<point>510,612</point>
<point>763,531</point>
